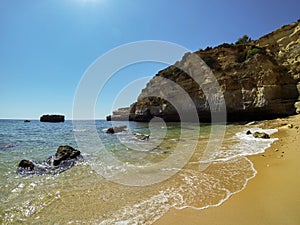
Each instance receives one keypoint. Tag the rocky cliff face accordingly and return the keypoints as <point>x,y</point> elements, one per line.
<point>257,79</point>
<point>284,45</point>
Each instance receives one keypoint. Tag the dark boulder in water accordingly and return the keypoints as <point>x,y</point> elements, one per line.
<point>248,132</point>
<point>113,130</point>
<point>26,165</point>
<point>26,121</point>
<point>65,153</point>
<point>65,157</point>
<point>52,118</point>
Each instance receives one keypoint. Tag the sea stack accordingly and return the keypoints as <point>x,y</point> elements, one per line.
<point>52,118</point>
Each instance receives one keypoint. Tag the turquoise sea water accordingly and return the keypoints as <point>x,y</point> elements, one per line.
<point>119,181</point>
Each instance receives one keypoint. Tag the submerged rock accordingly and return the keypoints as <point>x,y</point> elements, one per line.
<point>118,129</point>
<point>248,132</point>
<point>142,137</point>
<point>65,157</point>
<point>261,135</point>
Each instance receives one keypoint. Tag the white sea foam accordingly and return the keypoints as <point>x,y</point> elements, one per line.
<point>246,145</point>
<point>19,188</point>
<point>79,130</point>
<point>197,186</point>
<point>227,174</point>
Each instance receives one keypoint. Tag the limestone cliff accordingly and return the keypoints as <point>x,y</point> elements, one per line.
<point>258,80</point>
<point>121,114</point>
<point>284,45</point>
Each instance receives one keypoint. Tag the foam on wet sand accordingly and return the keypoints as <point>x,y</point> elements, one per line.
<point>272,197</point>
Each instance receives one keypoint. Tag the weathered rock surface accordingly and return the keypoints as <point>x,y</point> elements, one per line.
<point>258,81</point>
<point>65,152</point>
<point>52,118</point>
<point>284,44</point>
<point>65,157</point>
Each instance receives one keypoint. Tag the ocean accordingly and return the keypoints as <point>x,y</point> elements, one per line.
<point>123,179</point>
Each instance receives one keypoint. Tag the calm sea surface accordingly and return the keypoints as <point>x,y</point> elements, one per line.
<point>122,179</point>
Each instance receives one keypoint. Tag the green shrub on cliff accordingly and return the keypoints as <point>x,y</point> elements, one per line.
<point>248,53</point>
<point>243,40</point>
<point>254,50</point>
<point>241,57</point>
<point>211,62</point>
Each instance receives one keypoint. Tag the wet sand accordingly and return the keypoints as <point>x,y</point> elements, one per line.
<point>272,197</point>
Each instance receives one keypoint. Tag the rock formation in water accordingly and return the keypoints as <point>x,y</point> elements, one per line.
<point>142,137</point>
<point>258,79</point>
<point>261,135</point>
<point>52,118</point>
<point>121,114</point>
<point>64,158</point>
<point>117,129</point>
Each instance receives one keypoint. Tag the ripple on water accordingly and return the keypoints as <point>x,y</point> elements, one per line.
<point>80,195</point>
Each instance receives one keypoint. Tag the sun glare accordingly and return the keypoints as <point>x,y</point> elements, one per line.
<point>91,1</point>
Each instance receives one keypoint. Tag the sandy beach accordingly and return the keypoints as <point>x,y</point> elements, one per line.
<point>271,197</point>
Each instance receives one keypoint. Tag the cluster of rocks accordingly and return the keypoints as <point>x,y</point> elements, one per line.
<point>64,158</point>
<point>258,134</point>
<point>118,129</point>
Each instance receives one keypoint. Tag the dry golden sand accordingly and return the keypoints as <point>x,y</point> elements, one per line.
<point>271,198</point>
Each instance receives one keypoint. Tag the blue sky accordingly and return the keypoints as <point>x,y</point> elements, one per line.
<point>47,45</point>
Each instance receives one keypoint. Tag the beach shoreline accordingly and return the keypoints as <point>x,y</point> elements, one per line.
<point>271,197</point>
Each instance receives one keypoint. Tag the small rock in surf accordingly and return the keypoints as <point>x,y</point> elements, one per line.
<point>65,157</point>
<point>261,135</point>
<point>113,130</point>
